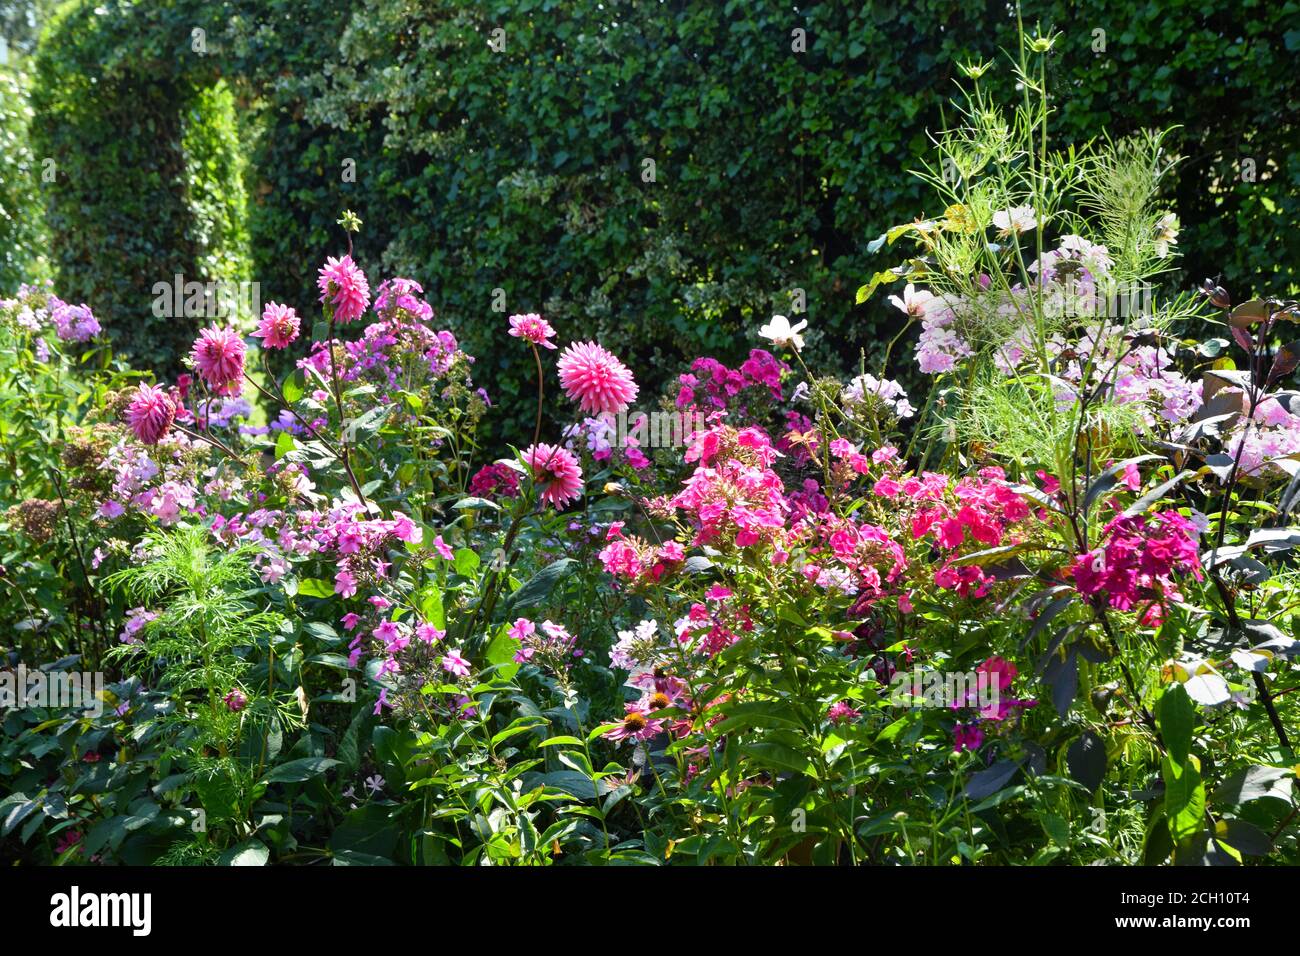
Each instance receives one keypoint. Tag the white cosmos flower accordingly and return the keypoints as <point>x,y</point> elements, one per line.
<point>914,300</point>
<point>1017,219</point>
<point>781,332</point>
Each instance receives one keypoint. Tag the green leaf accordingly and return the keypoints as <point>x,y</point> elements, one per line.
<point>1184,798</point>
<point>573,782</point>
<point>1086,760</point>
<point>756,714</point>
<point>315,587</point>
<point>1243,837</point>
<point>295,771</point>
<point>989,781</point>
<point>865,292</point>
<point>252,853</point>
<point>1255,783</point>
<point>363,428</point>
<point>501,650</point>
<point>295,385</point>
<point>476,504</point>
<point>1109,478</point>
<point>284,444</point>
<point>466,562</point>
<point>538,588</point>
<point>431,607</point>
<point>1176,717</point>
<point>1155,495</point>
<point>17,814</point>
<point>778,756</point>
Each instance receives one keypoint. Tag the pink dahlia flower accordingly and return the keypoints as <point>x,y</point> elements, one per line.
<point>219,357</point>
<point>343,285</point>
<point>279,326</point>
<point>150,414</point>
<point>532,328</point>
<point>556,471</point>
<point>595,379</point>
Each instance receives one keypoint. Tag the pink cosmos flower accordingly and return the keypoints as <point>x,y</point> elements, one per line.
<point>453,663</point>
<point>343,285</point>
<point>595,379</point>
<point>279,326</point>
<point>150,414</point>
<point>235,700</point>
<point>556,472</point>
<point>532,328</point>
<point>219,357</point>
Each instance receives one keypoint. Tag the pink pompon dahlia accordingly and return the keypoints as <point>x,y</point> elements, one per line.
<point>532,328</point>
<point>343,285</point>
<point>595,379</point>
<point>150,414</point>
<point>556,472</point>
<point>279,326</point>
<point>219,358</point>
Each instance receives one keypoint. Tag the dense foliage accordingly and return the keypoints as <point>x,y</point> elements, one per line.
<point>517,161</point>
<point>286,606</point>
<point>147,175</point>
<point>21,238</point>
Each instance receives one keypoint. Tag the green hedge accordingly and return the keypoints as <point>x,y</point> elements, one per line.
<point>521,170</point>
<point>149,172</point>
<point>21,236</point>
